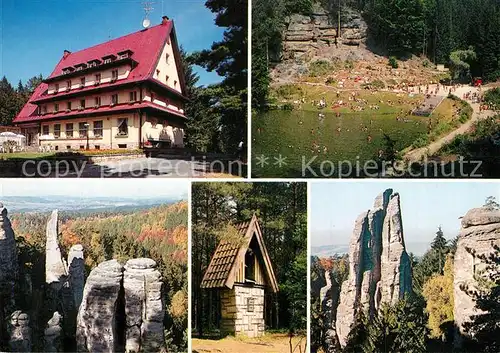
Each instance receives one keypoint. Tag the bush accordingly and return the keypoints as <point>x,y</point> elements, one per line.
<point>426,63</point>
<point>287,106</point>
<point>492,98</point>
<point>393,62</point>
<point>320,68</point>
<point>286,91</point>
<point>422,141</point>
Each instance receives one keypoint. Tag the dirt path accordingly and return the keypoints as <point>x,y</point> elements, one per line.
<point>417,154</point>
<point>270,343</point>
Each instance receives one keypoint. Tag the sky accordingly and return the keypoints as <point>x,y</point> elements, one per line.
<point>171,189</point>
<point>35,33</point>
<point>425,205</point>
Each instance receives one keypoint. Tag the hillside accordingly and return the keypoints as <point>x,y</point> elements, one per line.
<point>158,233</point>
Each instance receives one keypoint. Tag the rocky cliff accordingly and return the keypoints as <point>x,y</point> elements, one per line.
<point>480,231</point>
<point>9,273</point>
<point>379,267</point>
<point>318,34</point>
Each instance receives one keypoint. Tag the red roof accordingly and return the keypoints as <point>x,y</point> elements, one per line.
<point>146,46</point>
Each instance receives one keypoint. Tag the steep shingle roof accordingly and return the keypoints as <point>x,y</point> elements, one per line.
<point>228,255</point>
<point>146,46</point>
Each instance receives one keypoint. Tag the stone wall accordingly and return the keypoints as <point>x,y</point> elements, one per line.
<point>236,318</point>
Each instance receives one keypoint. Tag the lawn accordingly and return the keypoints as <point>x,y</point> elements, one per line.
<point>357,136</point>
<point>26,155</point>
<point>270,343</point>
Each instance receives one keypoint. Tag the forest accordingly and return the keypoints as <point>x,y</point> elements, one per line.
<point>159,233</point>
<point>464,35</point>
<point>217,112</point>
<point>422,321</point>
<point>281,210</point>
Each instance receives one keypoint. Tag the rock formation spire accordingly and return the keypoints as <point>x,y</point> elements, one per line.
<point>56,270</point>
<point>379,267</point>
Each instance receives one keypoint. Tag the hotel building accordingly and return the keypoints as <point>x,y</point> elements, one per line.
<point>121,94</point>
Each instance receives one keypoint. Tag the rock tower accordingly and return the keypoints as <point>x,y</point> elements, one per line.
<point>379,267</point>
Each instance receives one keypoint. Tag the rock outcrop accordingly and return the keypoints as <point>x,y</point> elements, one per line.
<point>122,308</point>
<point>9,271</point>
<point>326,300</point>
<point>53,334</point>
<point>309,35</point>
<point>379,267</point>
<point>144,307</point>
<point>56,270</point>
<point>480,231</point>
<point>20,332</point>
<point>98,321</point>
<point>76,271</point>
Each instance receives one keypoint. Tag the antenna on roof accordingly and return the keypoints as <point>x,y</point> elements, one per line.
<point>148,7</point>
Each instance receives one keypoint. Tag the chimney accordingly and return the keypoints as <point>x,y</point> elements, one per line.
<point>165,20</point>
<point>66,54</point>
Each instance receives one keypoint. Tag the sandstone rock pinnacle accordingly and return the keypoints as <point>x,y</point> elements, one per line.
<point>98,322</point>
<point>144,307</point>
<point>76,271</point>
<point>379,267</point>
<point>56,271</point>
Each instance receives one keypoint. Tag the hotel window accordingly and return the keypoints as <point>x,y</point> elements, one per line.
<point>97,101</point>
<point>107,61</point>
<point>114,99</point>
<point>69,130</point>
<point>56,108</point>
<point>69,106</point>
<point>124,56</point>
<point>175,84</point>
<point>93,64</point>
<point>82,129</point>
<point>166,78</point>
<point>44,109</point>
<point>98,78</point>
<point>114,75</point>
<point>68,85</point>
<point>56,89</point>
<point>158,72</point>
<point>82,82</point>
<point>167,57</point>
<point>57,130</point>
<point>82,103</point>
<point>133,96</point>
<point>45,130</point>
<point>123,127</point>
<point>98,128</point>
